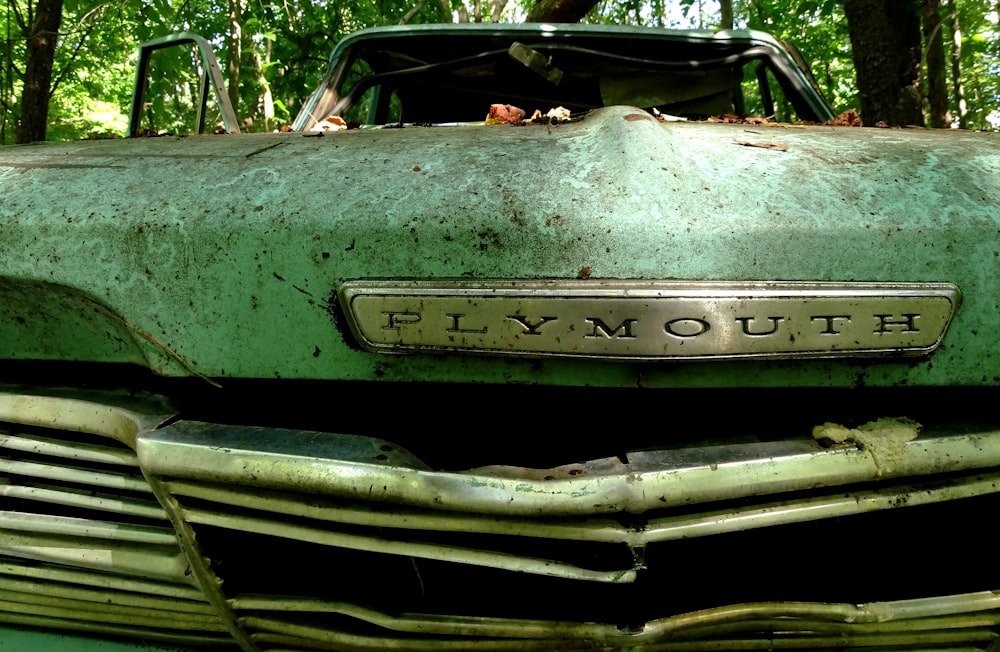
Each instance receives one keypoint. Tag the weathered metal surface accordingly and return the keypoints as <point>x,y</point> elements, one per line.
<point>649,480</point>
<point>634,320</point>
<point>818,625</point>
<point>229,271</point>
<point>606,530</point>
<point>29,640</point>
<point>84,544</point>
<point>131,578</point>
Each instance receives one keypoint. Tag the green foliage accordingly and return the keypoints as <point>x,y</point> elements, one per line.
<point>285,45</point>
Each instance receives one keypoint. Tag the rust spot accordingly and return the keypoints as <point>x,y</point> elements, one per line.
<point>575,472</point>
<point>584,272</point>
<point>416,168</point>
<point>632,117</point>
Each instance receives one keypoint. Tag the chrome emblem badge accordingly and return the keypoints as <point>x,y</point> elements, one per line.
<point>650,320</point>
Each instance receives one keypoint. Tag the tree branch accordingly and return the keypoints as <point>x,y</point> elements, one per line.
<point>412,12</point>
<point>19,19</point>
<point>496,9</point>
<point>72,58</point>
<point>559,11</point>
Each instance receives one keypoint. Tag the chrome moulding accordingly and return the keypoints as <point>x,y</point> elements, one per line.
<point>127,521</point>
<point>84,544</point>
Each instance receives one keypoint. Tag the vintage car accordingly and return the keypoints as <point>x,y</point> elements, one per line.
<point>631,372</point>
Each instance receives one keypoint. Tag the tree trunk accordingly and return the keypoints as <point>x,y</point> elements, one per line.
<point>937,84</point>
<point>885,44</point>
<point>234,52</point>
<point>726,7</point>
<point>956,65</point>
<point>446,15</point>
<point>559,11</point>
<point>41,53</point>
<point>496,9</point>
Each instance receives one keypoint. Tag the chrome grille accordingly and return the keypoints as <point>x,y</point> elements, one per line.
<point>85,545</point>
<point>96,538</point>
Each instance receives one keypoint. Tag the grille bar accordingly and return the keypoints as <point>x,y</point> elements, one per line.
<point>85,528</point>
<point>959,619</point>
<point>54,472</point>
<point>52,606</point>
<point>420,550</point>
<point>103,582</point>
<point>649,481</point>
<point>86,500</point>
<point>76,451</point>
<point>123,598</point>
<point>110,629</point>
<point>755,515</point>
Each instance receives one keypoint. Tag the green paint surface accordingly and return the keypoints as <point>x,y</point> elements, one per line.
<point>27,640</point>
<point>219,255</point>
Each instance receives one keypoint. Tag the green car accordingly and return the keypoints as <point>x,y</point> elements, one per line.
<point>551,348</point>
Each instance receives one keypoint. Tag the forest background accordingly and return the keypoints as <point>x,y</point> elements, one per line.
<point>67,67</point>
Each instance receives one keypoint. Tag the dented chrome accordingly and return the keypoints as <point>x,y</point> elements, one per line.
<point>371,495</point>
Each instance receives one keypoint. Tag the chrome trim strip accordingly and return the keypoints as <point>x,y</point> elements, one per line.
<point>80,528</point>
<point>651,480</point>
<point>803,625</point>
<point>86,500</point>
<point>650,320</point>
<point>155,562</point>
<point>103,597</point>
<point>597,530</point>
<point>419,550</point>
<point>102,582</point>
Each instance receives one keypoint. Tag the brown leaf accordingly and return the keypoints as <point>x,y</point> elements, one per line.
<point>732,118</point>
<point>331,123</point>
<point>504,114</point>
<point>848,118</point>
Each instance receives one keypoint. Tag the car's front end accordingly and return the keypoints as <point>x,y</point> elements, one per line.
<point>610,383</point>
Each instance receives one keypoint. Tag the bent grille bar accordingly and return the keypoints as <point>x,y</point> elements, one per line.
<point>85,521</point>
<point>960,619</point>
<point>286,460</point>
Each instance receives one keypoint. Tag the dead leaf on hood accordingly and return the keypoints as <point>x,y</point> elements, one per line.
<point>848,118</point>
<point>774,146</point>
<point>666,117</point>
<point>504,114</point>
<point>732,118</point>
<point>330,123</point>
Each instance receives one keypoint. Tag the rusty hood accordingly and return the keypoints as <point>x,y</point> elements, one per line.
<point>223,256</point>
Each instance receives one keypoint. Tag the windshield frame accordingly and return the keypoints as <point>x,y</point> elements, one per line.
<point>746,44</point>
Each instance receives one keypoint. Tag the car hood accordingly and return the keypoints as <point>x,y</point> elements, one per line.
<point>222,256</point>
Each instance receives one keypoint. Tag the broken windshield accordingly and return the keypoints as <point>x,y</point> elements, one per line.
<point>448,75</point>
